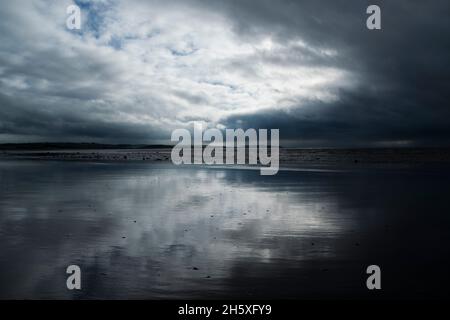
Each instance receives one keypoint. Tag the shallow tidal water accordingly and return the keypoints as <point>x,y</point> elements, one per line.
<point>157,231</point>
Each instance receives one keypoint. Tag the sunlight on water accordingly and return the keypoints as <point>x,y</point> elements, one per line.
<point>154,231</point>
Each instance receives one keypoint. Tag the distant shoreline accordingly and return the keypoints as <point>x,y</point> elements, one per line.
<point>77,146</point>
<point>289,157</point>
<point>107,146</point>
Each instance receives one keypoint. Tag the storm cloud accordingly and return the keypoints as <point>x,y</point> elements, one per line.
<point>139,69</point>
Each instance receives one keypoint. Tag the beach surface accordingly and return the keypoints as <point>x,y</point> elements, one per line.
<point>152,230</point>
<point>348,158</point>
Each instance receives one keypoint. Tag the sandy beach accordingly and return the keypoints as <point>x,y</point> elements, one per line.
<point>152,230</point>
<point>348,158</point>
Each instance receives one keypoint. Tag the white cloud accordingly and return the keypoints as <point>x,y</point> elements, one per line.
<point>153,64</point>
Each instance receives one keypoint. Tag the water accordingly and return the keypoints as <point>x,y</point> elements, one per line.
<point>156,231</point>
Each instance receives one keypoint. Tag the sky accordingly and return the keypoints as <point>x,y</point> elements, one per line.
<point>137,70</point>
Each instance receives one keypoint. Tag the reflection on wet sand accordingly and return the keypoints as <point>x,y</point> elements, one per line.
<point>160,231</point>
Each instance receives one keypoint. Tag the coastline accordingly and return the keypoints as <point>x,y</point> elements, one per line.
<point>290,158</point>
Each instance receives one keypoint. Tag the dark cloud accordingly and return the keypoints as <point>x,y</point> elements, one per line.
<point>392,85</point>
<point>403,69</point>
<point>27,121</point>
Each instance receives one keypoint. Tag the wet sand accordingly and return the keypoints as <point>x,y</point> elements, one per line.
<point>349,158</point>
<point>151,230</point>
